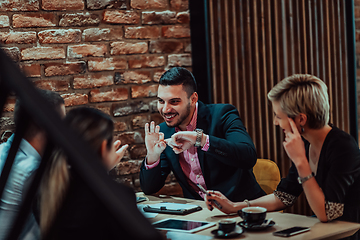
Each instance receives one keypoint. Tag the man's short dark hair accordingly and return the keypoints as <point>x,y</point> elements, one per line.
<point>179,76</point>
<point>55,101</point>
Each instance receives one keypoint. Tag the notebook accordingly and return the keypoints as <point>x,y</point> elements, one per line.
<point>172,208</point>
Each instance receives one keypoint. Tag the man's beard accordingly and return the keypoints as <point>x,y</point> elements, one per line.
<point>182,118</point>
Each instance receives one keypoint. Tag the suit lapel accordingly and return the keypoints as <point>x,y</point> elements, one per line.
<point>203,124</point>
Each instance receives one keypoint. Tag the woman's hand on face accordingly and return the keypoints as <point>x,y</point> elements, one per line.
<point>294,145</point>
<point>227,206</point>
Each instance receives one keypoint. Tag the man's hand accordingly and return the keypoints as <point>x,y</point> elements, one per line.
<point>154,141</point>
<point>182,141</point>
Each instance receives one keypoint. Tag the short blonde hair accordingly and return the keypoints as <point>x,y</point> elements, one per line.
<point>303,93</point>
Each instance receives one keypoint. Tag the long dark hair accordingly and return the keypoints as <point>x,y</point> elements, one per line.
<point>94,127</point>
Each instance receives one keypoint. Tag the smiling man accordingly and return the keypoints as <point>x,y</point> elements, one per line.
<point>204,144</point>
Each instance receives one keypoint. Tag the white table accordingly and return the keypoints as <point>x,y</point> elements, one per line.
<point>319,230</point>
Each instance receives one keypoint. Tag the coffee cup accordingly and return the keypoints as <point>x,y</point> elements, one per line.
<point>227,225</point>
<point>253,215</point>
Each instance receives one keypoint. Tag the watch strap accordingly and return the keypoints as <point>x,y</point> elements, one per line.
<point>199,133</point>
<point>301,180</point>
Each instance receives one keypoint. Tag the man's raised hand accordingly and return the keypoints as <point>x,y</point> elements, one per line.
<point>154,141</point>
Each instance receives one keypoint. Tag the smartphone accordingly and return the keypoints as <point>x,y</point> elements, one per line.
<point>204,191</point>
<point>291,231</point>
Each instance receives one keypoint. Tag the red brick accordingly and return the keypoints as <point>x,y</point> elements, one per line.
<point>9,105</point>
<point>179,5</point>
<point>62,69</point>
<point>18,37</point>
<point>120,127</point>
<point>37,53</point>
<point>79,19</point>
<point>357,3</point>
<point>176,60</point>
<point>93,81</point>
<point>107,64</point>
<point>104,108</point>
<point>146,61</point>
<point>127,108</point>
<point>357,49</point>
<point>183,17</point>
<point>86,50</point>
<point>166,17</point>
<point>73,99</point>
<point>153,106</point>
<point>118,48</point>
<point>130,138</point>
<point>139,121</point>
<point>53,85</point>
<point>142,32</point>
<point>102,34</point>
<point>357,24</point>
<point>19,5</point>
<point>144,91</point>
<point>187,46</point>
<point>158,74</point>
<point>149,4</point>
<point>96,4</point>
<point>356,12</point>
<point>13,53</point>
<point>31,70</point>
<point>135,77</point>
<point>157,118</point>
<point>63,5</point>
<point>137,152</point>
<point>60,36</point>
<point>175,31</point>
<point>34,20</point>
<point>112,95</point>
<point>160,46</point>
<point>4,21</point>
<point>128,167</point>
<point>121,17</point>
<point>357,36</point>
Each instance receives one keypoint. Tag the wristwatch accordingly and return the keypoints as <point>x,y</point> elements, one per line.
<point>199,133</point>
<point>304,179</point>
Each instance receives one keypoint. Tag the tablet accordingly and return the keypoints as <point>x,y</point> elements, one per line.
<point>182,225</point>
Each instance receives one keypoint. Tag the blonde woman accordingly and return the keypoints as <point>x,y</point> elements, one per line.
<point>67,203</point>
<point>326,166</point>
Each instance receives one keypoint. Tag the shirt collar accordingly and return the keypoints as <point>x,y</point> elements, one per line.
<point>192,124</point>
<point>25,147</point>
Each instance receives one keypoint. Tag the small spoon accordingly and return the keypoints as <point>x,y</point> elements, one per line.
<point>266,223</point>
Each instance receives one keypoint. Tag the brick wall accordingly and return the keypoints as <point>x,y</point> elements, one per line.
<point>108,54</point>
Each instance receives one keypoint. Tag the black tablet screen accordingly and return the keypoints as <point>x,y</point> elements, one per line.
<point>179,224</point>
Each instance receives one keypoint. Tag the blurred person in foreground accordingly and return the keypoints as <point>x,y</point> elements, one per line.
<point>26,161</point>
<point>207,144</point>
<point>325,159</point>
<point>69,209</point>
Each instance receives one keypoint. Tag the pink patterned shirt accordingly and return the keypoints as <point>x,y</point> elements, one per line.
<point>189,160</point>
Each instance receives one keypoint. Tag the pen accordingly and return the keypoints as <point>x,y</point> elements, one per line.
<point>208,194</point>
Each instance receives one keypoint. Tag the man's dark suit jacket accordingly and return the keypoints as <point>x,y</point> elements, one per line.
<point>226,166</point>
